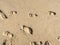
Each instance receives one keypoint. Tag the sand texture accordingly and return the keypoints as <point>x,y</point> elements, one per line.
<point>29,22</point>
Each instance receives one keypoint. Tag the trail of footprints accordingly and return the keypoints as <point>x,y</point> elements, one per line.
<point>40,43</point>
<point>27,30</point>
<point>24,28</point>
<point>4,16</point>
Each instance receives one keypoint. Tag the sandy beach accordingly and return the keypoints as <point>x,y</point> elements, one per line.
<point>23,22</point>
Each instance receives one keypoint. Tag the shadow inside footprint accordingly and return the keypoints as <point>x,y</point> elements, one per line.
<point>4,43</point>
<point>46,43</point>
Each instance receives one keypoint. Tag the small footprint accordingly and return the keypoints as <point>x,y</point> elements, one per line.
<point>46,43</point>
<point>26,29</point>
<point>3,15</point>
<point>8,34</point>
<point>52,13</point>
<point>33,14</point>
<point>13,12</point>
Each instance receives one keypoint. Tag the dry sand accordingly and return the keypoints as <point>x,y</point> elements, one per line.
<point>34,14</point>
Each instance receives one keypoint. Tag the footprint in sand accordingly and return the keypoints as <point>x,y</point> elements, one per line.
<point>26,29</point>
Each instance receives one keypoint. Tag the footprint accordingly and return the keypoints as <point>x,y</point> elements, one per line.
<point>52,13</point>
<point>33,14</point>
<point>30,14</point>
<point>3,15</point>
<point>46,43</point>
<point>7,42</point>
<point>13,12</point>
<point>58,38</point>
<point>39,43</point>
<point>26,29</point>
<point>4,42</point>
<point>33,43</point>
<point>8,34</point>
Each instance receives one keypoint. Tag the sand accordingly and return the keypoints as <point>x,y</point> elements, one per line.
<point>34,14</point>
